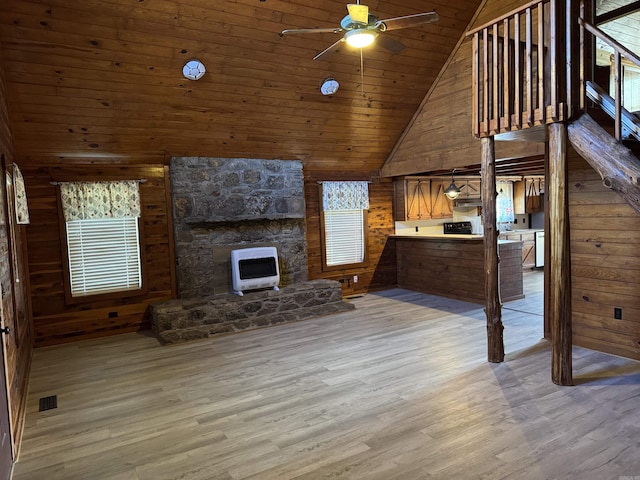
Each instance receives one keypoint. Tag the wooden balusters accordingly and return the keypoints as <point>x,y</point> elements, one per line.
<point>516,80</point>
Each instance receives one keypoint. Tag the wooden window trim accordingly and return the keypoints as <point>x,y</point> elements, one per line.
<point>90,299</point>
<point>346,266</point>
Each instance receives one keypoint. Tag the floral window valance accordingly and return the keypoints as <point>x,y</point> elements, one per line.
<point>345,196</point>
<point>93,200</point>
<point>20,194</point>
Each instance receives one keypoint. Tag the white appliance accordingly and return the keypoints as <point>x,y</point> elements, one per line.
<point>253,268</point>
<point>540,249</point>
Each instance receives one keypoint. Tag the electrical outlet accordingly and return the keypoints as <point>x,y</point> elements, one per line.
<point>355,279</point>
<point>617,313</point>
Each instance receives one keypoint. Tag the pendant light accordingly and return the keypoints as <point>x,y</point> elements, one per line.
<point>452,190</point>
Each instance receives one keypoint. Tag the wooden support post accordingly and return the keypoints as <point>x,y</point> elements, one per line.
<point>493,307</point>
<point>560,269</point>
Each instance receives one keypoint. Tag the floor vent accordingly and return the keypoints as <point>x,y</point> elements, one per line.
<point>48,403</point>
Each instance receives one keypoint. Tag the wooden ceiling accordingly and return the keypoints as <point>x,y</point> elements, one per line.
<point>101,80</point>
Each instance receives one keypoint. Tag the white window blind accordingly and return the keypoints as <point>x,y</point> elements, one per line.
<point>344,237</point>
<point>104,255</point>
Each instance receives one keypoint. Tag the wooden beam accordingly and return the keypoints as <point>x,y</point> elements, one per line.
<point>616,165</point>
<point>617,13</point>
<point>560,269</point>
<point>493,308</point>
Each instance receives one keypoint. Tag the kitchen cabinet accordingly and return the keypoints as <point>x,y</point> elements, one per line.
<point>421,199</point>
<point>418,200</point>
<point>528,250</point>
<point>413,199</point>
<point>519,190</point>
<point>527,196</point>
<point>441,206</point>
<point>528,240</point>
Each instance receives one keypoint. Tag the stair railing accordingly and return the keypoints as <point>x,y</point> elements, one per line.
<point>620,53</point>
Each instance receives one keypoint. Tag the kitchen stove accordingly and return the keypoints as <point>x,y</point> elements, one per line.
<point>459,228</point>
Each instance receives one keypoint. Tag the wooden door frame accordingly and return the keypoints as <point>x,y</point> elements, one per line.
<point>8,224</point>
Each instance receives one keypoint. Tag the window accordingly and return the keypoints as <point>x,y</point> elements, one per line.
<point>344,206</point>
<point>504,202</point>
<point>344,237</point>
<point>103,238</point>
<point>104,255</point>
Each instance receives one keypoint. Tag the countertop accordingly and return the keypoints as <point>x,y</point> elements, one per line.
<point>441,236</point>
<point>523,230</point>
<point>453,236</point>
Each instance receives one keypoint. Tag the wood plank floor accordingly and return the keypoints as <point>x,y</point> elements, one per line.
<point>397,389</point>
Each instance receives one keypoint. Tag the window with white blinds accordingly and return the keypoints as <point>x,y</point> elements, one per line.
<point>344,237</point>
<point>104,255</point>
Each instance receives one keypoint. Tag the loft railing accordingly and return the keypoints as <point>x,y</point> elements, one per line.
<point>522,68</point>
<point>612,105</point>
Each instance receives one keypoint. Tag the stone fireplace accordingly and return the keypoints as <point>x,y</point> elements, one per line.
<point>221,204</point>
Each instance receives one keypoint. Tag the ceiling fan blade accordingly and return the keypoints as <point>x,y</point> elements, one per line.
<point>391,44</point>
<point>407,21</point>
<point>295,31</point>
<point>328,49</point>
<point>358,13</point>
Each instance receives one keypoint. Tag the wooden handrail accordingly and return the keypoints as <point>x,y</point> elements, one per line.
<point>618,52</point>
<point>607,39</point>
<point>510,14</point>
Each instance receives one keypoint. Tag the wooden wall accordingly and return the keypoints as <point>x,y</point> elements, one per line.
<point>56,321</point>
<point>15,305</point>
<point>605,264</point>
<point>440,134</point>
<point>380,271</point>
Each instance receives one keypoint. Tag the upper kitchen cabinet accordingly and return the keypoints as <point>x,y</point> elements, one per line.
<point>412,199</point>
<point>441,205</point>
<point>470,193</point>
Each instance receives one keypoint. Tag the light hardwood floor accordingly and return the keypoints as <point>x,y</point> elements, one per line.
<point>398,389</point>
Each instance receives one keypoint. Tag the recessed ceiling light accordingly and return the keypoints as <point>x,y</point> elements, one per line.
<point>193,70</point>
<point>329,86</point>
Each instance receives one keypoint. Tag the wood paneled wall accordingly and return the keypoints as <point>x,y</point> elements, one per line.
<point>56,321</point>
<point>454,268</point>
<point>605,264</point>
<point>380,271</point>
<point>440,134</point>
<point>18,345</point>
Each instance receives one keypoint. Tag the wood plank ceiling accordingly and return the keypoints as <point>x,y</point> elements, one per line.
<point>101,80</point>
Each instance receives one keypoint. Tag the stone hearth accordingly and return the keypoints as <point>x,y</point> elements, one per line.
<point>176,321</point>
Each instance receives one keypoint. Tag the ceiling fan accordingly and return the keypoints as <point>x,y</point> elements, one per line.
<point>361,28</point>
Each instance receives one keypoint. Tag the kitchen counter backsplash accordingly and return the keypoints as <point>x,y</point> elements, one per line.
<point>420,227</point>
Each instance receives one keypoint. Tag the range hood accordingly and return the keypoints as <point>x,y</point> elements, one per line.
<point>468,202</point>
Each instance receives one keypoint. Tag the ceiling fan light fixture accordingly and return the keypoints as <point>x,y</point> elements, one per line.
<point>360,37</point>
